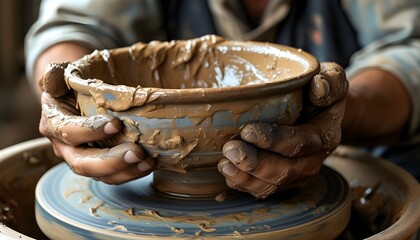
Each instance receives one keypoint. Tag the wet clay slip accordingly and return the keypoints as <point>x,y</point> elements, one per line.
<point>183,100</point>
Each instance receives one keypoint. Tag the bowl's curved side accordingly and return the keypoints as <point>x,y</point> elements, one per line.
<point>186,136</point>
<point>395,192</point>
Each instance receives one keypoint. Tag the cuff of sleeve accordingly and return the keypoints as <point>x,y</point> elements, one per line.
<point>404,63</point>
<point>38,43</point>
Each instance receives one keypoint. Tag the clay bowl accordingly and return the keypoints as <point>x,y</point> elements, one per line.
<point>183,100</point>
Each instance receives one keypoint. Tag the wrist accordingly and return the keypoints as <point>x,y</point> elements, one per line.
<point>377,108</point>
<point>354,109</point>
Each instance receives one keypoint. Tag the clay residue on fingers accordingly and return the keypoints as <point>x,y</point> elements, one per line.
<point>73,129</point>
<point>329,86</point>
<point>261,134</point>
<point>320,89</point>
<point>241,154</point>
<point>52,81</point>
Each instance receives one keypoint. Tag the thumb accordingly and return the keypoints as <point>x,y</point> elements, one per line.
<point>329,85</point>
<point>52,81</point>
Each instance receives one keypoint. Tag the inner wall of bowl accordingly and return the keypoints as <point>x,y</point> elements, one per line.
<point>193,64</point>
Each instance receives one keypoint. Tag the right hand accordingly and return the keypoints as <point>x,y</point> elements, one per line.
<point>71,136</point>
<point>271,158</point>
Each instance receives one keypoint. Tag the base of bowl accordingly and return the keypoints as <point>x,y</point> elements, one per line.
<point>194,184</point>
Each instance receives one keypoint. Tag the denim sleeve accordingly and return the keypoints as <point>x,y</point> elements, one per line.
<point>96,24</point>
<point>389,32</point>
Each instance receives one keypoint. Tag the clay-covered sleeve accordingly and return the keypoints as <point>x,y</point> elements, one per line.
<point>96,24</point>
<point>389,33</point>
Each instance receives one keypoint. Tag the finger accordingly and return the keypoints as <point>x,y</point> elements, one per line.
<point>298,184</point>
<point>278,169</point>
<point>95,162</point>
<point>329,86</point>
<point>288,141</point>
<point>134,172</point>
<point>52,81</point>
<point>57,122</point>
<point>270,167</point>
<point>321,133</point>
<point>243,181</point>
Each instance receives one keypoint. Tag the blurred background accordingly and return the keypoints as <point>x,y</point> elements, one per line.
<point>19,107</point>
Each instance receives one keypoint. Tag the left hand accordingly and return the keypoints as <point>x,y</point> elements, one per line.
<point>272,158</point>
<point>72,136</point>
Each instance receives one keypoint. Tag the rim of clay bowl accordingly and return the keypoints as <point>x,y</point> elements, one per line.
<point>311,65</point>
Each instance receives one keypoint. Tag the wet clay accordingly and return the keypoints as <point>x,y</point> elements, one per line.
<point>183,100</point>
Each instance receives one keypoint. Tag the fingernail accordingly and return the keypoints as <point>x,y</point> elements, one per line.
<point>229,169</point>
<point>143,166</point>
<point>130,157</point>
<point>232,153</point>
<point>322,89</point>
<point>235,154</point>
<point>250,136</point>
<point>109,128</point>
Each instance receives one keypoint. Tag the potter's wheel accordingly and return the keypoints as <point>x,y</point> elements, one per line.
<point>71,206</point>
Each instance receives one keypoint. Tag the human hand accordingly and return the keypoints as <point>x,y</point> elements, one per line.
<point>72,136</point>
<point>271,158</point>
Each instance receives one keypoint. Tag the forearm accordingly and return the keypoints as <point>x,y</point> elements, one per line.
<point>62,52</point>
<point>377,109</point>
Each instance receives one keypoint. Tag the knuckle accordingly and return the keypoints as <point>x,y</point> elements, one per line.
<point>133,173</point>
<point>56,148</point>
<point>231,184</point>
<point>284,176</point>
<point>77,167</point>
<point>107,180</point>
<point>331,139</point>
<point>249,165</point>
<point>57,152</point>
<point>240,183</point>
<point>331,68</point>
<point>115,166</point>
<point>309,167</point>
<point>312,171</point>
<point>266,191</point>
<point>65,137</point>
<point>303,145</point>
<point>261,134</point>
